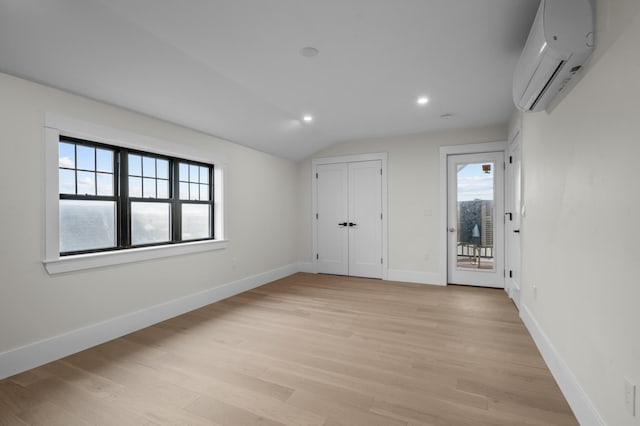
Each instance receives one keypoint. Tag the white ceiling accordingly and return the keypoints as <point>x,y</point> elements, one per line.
<point>232,68</point>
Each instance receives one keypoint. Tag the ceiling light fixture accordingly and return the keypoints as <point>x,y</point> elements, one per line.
<point>307,118</point>
<point>309,52</point>
<point>422,100</point>
<point>446,116</point>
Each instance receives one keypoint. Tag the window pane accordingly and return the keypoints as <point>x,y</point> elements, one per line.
<point>105,160</point>
<point>135,187</point>
<point>163,188</point>
<point>204,175</point>
<point>67,181</point>
<point>193,191</point>
<point>193,173</point>
<point>163,168</point>
<point>86,183</point>
<point>150,223</point>
<point>67,155</point>
<point>204,192</point>
<point>105,184</point>
<point>87,225</point>
<point>148,167</point>
<point>184,191</point>
<point>86,157</point>
<point>135,165</point>
<point>184,172</point>
<point>149,188</point>
<point>196,221</point>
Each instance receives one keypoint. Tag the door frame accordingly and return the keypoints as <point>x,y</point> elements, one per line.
<point>515,141</point>
<point>445,152</point>
<point>382,156</point>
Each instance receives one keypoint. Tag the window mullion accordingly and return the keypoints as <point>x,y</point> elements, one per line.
<point>176,217</point>
<point>124,204</point>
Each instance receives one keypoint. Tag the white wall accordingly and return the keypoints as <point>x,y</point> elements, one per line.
<point>414,195</point>
<point>581,232</point>
<point>33,305</point>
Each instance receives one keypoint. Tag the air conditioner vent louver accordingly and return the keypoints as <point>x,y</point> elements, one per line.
<point>546,86</point>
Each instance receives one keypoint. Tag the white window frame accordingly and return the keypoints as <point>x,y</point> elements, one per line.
<point>56,126</point>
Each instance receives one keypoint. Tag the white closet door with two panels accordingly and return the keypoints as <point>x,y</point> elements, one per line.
<point>349,218</point>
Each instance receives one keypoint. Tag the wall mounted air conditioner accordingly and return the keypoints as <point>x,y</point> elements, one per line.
<point>560,41</point>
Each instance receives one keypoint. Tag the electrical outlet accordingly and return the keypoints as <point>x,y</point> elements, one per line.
<point>630,396</point>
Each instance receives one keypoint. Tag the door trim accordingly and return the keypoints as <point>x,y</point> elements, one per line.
<point>382,156</point>
<point>515,141</point>
<point>445,152</point>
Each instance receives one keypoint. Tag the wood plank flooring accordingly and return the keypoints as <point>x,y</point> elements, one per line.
<point>307,350</point>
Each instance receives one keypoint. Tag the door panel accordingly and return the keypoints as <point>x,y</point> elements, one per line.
<point>332,204</point>
<point>475,219</point>
<point>365,209</point>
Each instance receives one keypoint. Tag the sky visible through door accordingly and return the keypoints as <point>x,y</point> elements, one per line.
<point>474,183</point>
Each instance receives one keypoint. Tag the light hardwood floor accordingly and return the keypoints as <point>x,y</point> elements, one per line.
<point>307,350</point>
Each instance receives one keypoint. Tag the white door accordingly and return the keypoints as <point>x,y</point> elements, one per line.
<point>512,216</point>
<point>349,218</point>
<point>333,218</point>
<point>475,215</point>
<point>365,219</point>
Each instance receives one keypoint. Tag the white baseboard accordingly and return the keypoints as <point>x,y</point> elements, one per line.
<point>582,407</point>
<point>417,277</point>
<point>41,352</point>
<point>305,267</point>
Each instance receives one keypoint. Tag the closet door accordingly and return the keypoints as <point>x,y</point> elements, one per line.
<point>349,221</point>
<point>365,219</point>
<point>332,220</point>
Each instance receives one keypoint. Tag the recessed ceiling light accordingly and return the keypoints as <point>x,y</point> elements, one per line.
<point>309,52</point>
<point>422,100</point>
<point>307,118</point>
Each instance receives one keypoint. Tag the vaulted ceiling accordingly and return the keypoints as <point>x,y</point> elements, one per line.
<point>233,68</point>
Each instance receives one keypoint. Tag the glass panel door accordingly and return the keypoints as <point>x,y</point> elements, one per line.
<point>475,215</point>
<point>475,226</point>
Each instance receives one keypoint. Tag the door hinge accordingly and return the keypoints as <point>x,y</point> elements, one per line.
<point>504,273</point>
<point>504,166</point>
<point>317,256</point>
<point>511,159</point>
<point>381,262</point>
<point>380,216</point>
<point>316,215</point>
<point>380,172</point>
<point>316,175</point>
<point>510,274</point>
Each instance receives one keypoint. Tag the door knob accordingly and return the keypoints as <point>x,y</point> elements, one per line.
<point>517,231</point>
<point>452,229</point>
<point>353,224</point>
<point>342,224</point>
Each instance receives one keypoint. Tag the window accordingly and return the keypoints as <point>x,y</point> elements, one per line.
<point>86,181</point>
<point>113,198</point>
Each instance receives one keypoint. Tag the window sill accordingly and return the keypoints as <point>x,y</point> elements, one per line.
<point>97,260</point>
